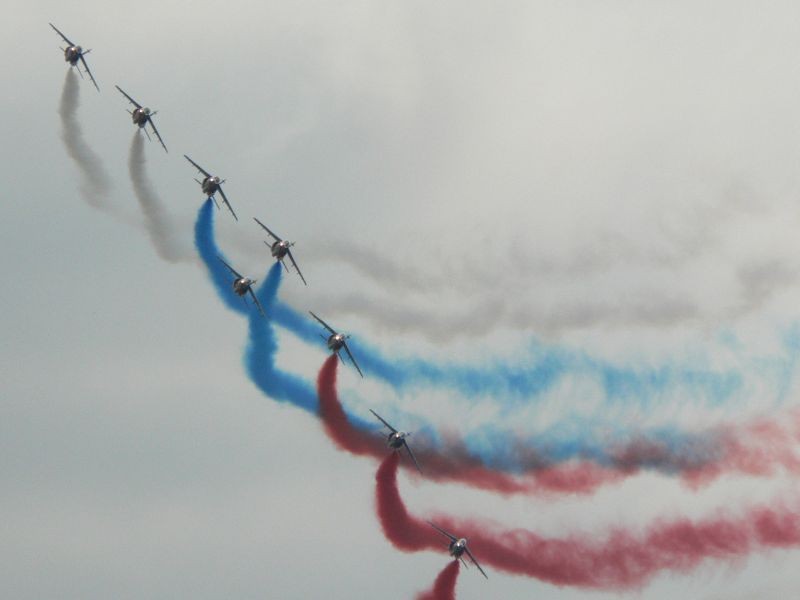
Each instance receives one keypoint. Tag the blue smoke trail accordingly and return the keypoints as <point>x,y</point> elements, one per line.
<point>259,358</point>
<point>494,447</point>
<point>210,253</point>
<point>546,367</point>
<point>677,451</point>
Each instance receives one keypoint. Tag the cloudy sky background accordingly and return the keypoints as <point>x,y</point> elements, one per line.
<point>462,179</point>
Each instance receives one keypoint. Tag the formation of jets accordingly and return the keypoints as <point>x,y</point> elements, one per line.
<point>280,249</point>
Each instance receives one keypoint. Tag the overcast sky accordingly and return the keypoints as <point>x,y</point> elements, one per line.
<point>463,180</point>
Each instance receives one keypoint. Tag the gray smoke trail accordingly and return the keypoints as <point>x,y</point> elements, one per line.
<point>95,185</point>
<point>156,221</point>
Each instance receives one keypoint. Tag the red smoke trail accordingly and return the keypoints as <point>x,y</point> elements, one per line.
<point>757,449</point>
<point>444,588</point>
<point>334,420</point>
<point>623,559</point>
<point>452,463</point>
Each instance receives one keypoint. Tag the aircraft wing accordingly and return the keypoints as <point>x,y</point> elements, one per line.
<point>380,418</point>
<point>324,324</point>
<point>232,270</point>
<point>267,229</point>
<point>472,558</point>
<point>258,304</point>
<point>353,360</point>
<point>294,262</point>
<point>442,531</point>
<point>228,204</point>
<point>198,167</point>
<point>89,73</point>
<point>131,100</point>
<point>66,39</point>
<point>411,454</point>
<point>153,125</point>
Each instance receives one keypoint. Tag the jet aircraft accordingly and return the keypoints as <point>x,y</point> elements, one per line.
<point>397,439</point>
<point>242,285</point>
<point>280,249</point>
<point>457,547</point>
<point>74,53</point>
<point>337,341</point>
<point>212,184</point>
<point>142,116</point>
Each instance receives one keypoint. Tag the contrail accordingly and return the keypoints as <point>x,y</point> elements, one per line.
<point>95,185</point>
<point>622,559</point>
<point>161,231</point>
<point>444,587</point>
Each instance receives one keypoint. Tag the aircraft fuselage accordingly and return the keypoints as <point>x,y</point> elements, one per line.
<point>210,185</point>
<point>280,249</point>
<point>396,439</point>
<point>336,342</point>
<point>72,54</point>
<point>242,285</point>
<point>458,548</point>
<point>141,116</point>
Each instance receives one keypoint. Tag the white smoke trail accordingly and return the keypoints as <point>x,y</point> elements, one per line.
<point>159,227</point>
<point>95,185</point>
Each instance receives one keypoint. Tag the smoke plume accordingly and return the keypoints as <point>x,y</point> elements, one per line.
<point>620,559</point>
<point>161,231</point>
<point>95,184</point>
<point>452,462</point>
<point>444,587</point>
<point>210,254</point>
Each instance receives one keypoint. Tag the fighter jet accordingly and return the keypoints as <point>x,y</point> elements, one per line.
<point>242,285</point>
<point>142,116</point>
<point>457,547</point>
<point>337,341</point>
<point>212,184</point>
<point>280,249</point>
<point>74,53</point>
<point>397,439</point>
